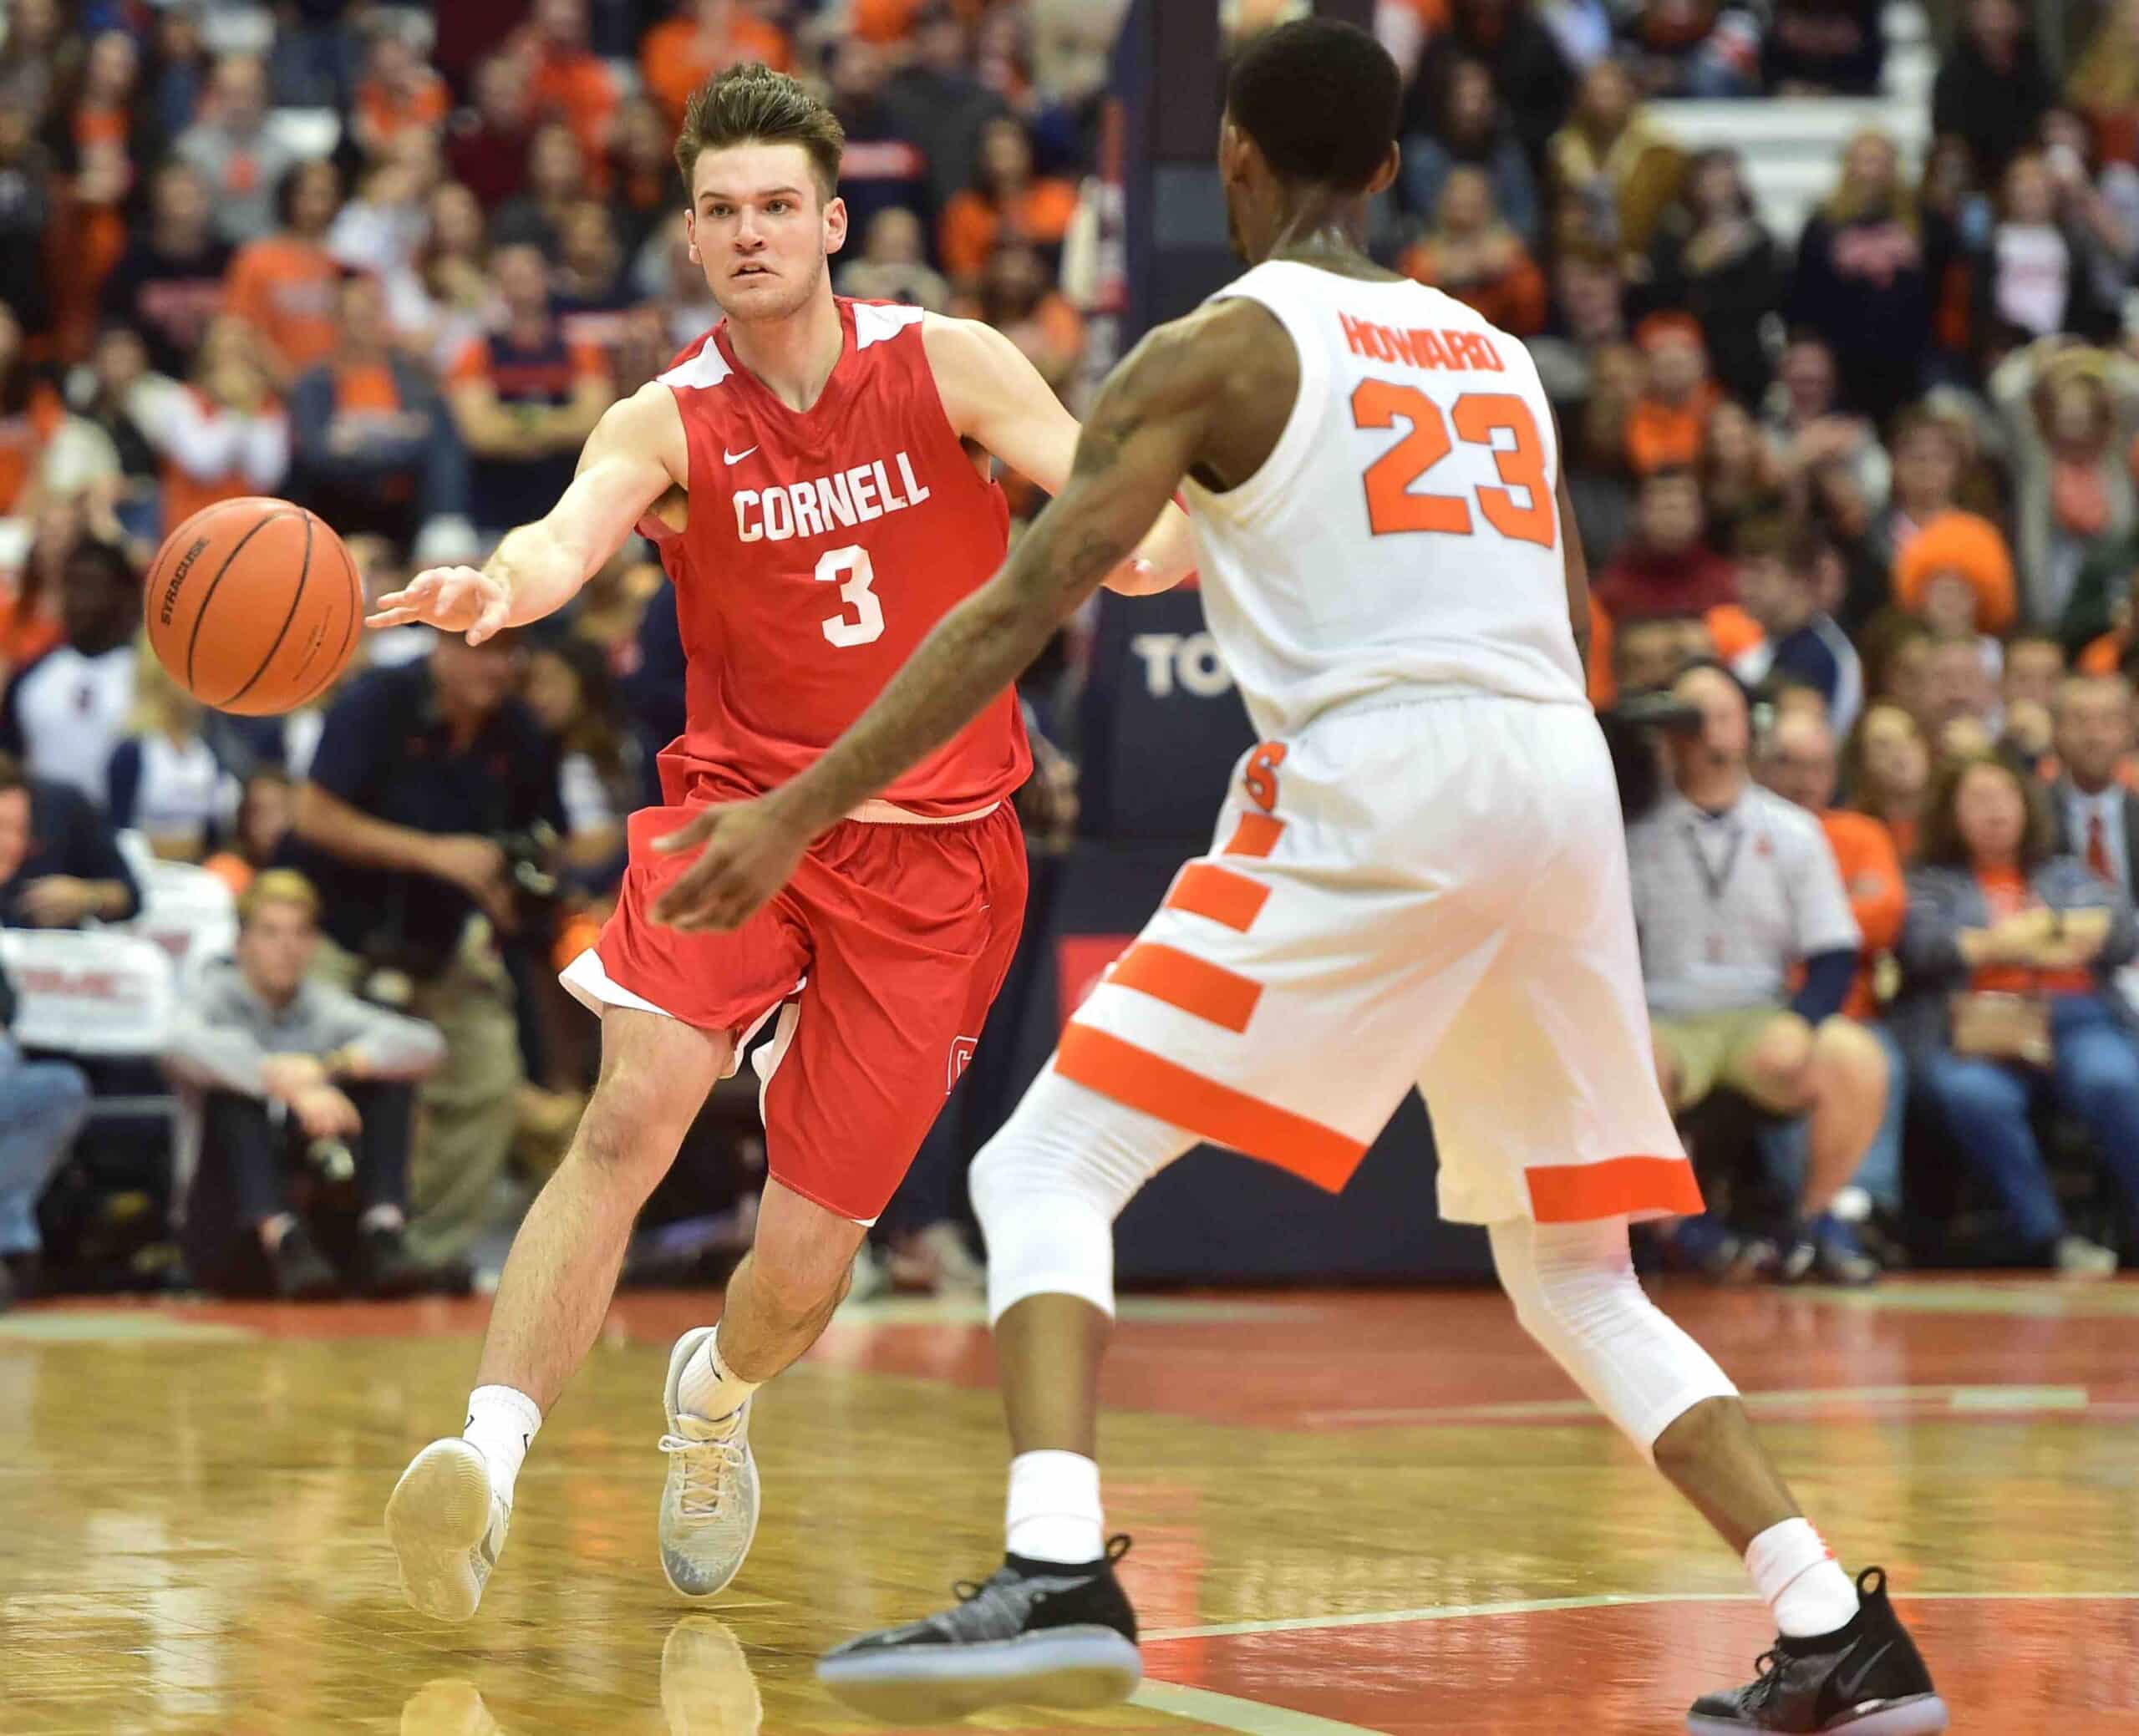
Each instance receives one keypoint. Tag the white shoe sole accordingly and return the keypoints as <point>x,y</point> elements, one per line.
<point>1924,1715</point>
<point>436,1515</point>
<point>1071,1668</point>
<point>670,1397</point>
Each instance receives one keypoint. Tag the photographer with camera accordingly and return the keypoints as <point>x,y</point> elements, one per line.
<point>423,823</point>
<point>286,1074</point>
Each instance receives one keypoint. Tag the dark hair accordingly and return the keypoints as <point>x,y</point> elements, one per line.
<point>1320,99</point>
<point>286,189</point>
<point>13,777</point>
<point>753,103</point>
<point>1855,794</point>
<point>1798,545</point>
<point>1940,844</point>
<point>599,731</point>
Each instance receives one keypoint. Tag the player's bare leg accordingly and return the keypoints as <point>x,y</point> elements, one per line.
<point>1711,1456</point>
<point>779,1301</point>
<point>1048,1351</point>
<point>449,1513</point>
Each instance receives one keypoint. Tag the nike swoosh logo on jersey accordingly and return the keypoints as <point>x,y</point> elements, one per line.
<point>736,457</point>
<point>1850,1686</point>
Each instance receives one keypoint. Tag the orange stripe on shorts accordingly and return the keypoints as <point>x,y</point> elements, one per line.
<point>1135,1077</point>
<point>1182,980</point>
<point>1618,1187</point>
<point>1257,835</point>
<point>1204,890</point>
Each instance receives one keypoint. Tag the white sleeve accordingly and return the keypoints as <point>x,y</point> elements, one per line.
<point>586,804</point>
<point>203,444</point>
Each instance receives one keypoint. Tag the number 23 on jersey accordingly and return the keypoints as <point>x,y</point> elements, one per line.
<point>1522,510</point>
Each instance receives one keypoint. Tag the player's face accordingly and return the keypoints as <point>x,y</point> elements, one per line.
<point>759,230</point>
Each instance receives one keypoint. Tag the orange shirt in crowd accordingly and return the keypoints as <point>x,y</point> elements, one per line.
<point>1878,895</point>
<point>27,634</point>
<point>389,113</point>
<point>971,226</point>
<point>1669,436</point>
<point>1731,630</point>
<point>883,20</point>
<point>185,494</point>
<point>22,437</point>
<point>1516,300</point>
<point>2103,656</point>
<point>582,92</point>
<point>291,291</point>
<point>2005,892</point>
<point>675,58</point>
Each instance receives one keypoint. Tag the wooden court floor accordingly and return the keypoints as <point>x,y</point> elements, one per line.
<point>1352,1512</point>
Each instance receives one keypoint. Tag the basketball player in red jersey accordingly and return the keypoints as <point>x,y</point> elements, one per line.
<point>801,469</point>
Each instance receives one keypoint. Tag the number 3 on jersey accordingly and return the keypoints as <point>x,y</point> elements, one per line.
<point>850,568</point>
<point>1392,509</point>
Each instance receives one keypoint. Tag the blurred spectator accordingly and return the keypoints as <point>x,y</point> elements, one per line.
<point>2005,999</point>
<point>2098,620</point>
<point>2095,819</point>
<point>600,776</point>
<point>178,69</point>
<point>1017,297</point>
<point>524,399</point>
<point>883,169</point>
<point>676,286</point>
<point>1779,582</point>
<point>397,93</point>
<point>643,185</point>
<point>1887,772</point>
<point>934,100</point>
<point>1005,203</point>
<point>1926,471</point>
<point>1527,66</point>
<point>705,37</point>
<point>2028,689</point>
<point>105,143</point>
<point>381,229</point>
<point>1740,478</point>
<point>1616,160</point>
<point>1588,321</point>
<point>284,1075</point>
<point>61,859</point>
<point>258,830</point>
<point>1469,252</point>
<point>29,612</point>
<point>286,285</point>
<point>42,53</point>
<point>2104,85</point>
<point>2072,413</point>
<point>164,781</point>
<point>2097,201</point>
<point>1956,576</point>
<point>1712,257</point>
<point>1992,90</point>
<point>556,182</point>
<point>376,448</point>
<point>592,292</point>
<point>421,771</point>
<point>569,82</point>
<point>893,265</point>
<point>1862,283</point>
<point>1471,130</point>
<point>224,435</point>
<point>443,301</point>
<point>30,415</point>
<point>1812,429</point>
<point>43,1104</point>
<point>2037,277</point>
<point>64,714</point>
<point>1960,707</point>
<point>244,162</point>
<point>1668,426</point>
<point>1666,569</point>
<point>117,394</point>
<point>1693,47</point>
<point>1824,48</point>
<point>34,196</point>
<point>487,146</point>
<point>168,283</point>
<point>1735,892</point>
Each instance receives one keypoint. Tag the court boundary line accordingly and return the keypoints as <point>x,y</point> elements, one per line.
<point>1234,1711</point>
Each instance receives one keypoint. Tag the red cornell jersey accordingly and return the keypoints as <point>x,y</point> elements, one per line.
<point>821,548</point>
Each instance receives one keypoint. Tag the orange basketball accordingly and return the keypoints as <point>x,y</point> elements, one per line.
<point>254,605</point>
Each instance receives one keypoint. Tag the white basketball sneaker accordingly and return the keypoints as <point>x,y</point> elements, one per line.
<point>447,1527</point>
<point>709,1504</point>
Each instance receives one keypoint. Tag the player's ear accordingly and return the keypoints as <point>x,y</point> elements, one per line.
<point>835,225</point>
<point>1385,176</point>
<point>691,235</point>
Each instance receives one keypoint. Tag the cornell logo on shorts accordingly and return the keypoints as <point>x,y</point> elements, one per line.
<point>961,1048</point>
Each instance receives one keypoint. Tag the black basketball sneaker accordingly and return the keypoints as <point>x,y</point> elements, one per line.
<point>1866,1679</point>
<point>1034,1633</point>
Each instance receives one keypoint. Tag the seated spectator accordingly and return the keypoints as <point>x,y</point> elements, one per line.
<point>257,832</point>
<point>1668,426</point>
<point>165,781</point>
<point>705,37</point>
<point>1018,298</point>
<point>591,286</point>
<point>894,265</point>
<point>524,399</point>
<point>64,713</point>
<point>168,283</point>
<point>1006,202</point>
<point>883,169</point>
<point>226,434</point>
<point>283,1074</point>
<point>1693,47</point>
<point>1956,576</point>
<point>1712,257</point>
<point>556,182</point>
<point>104,140</point>
<point>2036,277</point>
<point>1887,772</point>
<point>1666,569</point>
<point>382,226</point>
<point>68,871</point>
<point>30,624</point>
<point>643,173</point>
<point>377,450</point>
<point>396,95</point>
<point>1735,892</point>
<point>2006,999</point>
<point>43,1104</point>
<point>117,395</point>
<point>31,413</point>
<point>600,775</point>
<point>1780,575</point>
<point>1621,164</point>
<point>284,285</point>
<point>445,301</point>
<point>1992,90</point>
<point>1471,130</point>
<point>1471,254</point>
<point>2028,694</point>
<point>243,158</point>
<point>37,194</point>
<point>2096,819</point>
<point>1959,707</point>
<point>2104,85</point>
<point>1518,50</point>
<point>1927,461</point>
<point>2097,201</point>
<point>1824,48</point>
<point>1648,656</point>
<point>1811,428</point>
<point>420,771</point>
<point>1863,280</point>
<point>487,146</point>
<point>1741,479</point>
<point>569,82</point>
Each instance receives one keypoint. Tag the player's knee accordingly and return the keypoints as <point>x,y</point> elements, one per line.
<point>627,1134</point>
<point>1695,1437</point>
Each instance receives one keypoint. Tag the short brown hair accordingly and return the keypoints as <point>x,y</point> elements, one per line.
<point>278,885</point>
<point>1939,843</point>
<point>1799,547</point>
<point>754,104</point>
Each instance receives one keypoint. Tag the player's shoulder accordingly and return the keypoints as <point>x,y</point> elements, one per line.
<point>698,365</point>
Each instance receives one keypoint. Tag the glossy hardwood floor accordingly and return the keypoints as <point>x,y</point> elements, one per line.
<point>1353,1512</point>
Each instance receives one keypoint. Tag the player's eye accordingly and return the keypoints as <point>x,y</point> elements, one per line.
<point>720,211</point>
<point>779,205</point>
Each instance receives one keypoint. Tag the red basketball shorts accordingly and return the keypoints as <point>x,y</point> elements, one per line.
<point>879,960</point>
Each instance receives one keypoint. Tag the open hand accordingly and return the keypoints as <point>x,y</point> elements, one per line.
<point>453,599</point>
<point>750,851</point>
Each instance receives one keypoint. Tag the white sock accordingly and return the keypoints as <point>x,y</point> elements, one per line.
<point>708,1387</point>
<point>502,1423</point>
<point>1793,1568</point>
<point>1053,1512</point>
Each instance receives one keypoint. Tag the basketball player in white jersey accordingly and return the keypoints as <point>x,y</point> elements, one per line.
<point>1421,881</point>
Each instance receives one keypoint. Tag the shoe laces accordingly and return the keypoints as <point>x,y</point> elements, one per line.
<point>709,1466</point>
<point>1768,1671</point>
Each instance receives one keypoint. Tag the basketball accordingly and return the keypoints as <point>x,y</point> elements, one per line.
<point>254,605</point>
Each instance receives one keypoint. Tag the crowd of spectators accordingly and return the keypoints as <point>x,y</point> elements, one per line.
<point>1860,501</point>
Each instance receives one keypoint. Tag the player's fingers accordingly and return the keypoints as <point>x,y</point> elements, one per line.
<point>393,617</point>
<point>694,832</point>
<point>495,615</point>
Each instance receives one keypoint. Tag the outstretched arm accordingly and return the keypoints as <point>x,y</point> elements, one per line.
<point>1144,432</point>
<point>635,454</point>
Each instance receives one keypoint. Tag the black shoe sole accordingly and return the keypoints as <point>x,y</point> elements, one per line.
<point>1072,1668</point>
<point>1918,1715</point>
